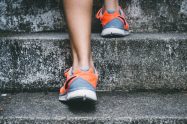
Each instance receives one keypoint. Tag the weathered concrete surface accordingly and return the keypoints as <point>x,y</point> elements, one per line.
<point>33,15</point>
<point>47,15</point>
<point>111,108</point>
<point>31,62</point>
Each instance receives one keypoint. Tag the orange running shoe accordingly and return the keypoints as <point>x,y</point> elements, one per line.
<point>114,24</point>
<point>80,84</point>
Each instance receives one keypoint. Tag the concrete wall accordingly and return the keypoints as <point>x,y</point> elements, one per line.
<point>47,15</point>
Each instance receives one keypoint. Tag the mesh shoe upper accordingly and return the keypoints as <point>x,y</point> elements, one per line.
<point>78,79</point>
<point>116,19</point>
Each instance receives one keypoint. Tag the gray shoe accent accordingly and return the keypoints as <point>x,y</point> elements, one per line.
<point>79,84</point>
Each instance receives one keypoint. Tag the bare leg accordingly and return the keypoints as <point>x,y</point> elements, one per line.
<point>78,14</point>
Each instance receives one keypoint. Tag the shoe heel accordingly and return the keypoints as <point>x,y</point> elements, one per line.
<point>83,93</point>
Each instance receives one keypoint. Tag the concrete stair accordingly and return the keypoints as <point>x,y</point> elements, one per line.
<point>152,66</point>
<point>143,77</point>
<point>112,108</point>
<point>141,61</point>
<point>47,15</point>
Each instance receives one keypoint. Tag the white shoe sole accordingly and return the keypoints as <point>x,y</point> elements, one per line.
<point>114,32</point>
<point>83,93</point>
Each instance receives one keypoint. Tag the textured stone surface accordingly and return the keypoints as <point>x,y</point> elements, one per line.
<point>118,108</point>
<point>33,15</point>
<point>30,62</point>
<point>47,15</point>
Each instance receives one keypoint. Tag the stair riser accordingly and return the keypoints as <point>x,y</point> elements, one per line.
<point>47,15</point>
<point>123,64</point>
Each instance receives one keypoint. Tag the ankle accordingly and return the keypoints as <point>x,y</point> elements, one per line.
<point>111,5</point>
<point>81,65</point>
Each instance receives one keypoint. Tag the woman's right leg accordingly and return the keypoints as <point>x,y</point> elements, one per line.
<point>82,79</point>
<point>78,15</point>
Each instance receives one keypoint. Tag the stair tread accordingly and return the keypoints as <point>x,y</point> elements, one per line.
<point>116,106</point>
<point>62,36</point>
